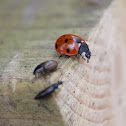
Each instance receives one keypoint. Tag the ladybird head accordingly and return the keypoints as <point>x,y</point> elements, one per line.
<point>88,54</point>
<point>84,51</point>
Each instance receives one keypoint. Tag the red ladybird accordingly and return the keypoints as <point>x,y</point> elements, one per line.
<point>70,45</point>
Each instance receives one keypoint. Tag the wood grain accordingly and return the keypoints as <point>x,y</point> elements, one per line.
<point>93,94</point>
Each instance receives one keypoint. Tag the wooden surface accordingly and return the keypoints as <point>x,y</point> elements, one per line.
<point>28,31</point>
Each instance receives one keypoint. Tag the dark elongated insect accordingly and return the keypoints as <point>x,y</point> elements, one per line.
<point>48,90</point>
<point>45,67</point>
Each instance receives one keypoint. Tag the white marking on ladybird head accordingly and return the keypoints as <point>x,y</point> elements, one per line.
<point>83,55</point>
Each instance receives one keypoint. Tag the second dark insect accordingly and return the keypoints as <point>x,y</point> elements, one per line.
<point>48,90</point>
<point>45,67</point>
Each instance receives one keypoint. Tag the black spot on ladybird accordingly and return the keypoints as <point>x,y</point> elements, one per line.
<point>68,51</point>
<point>56,46</point>
<point>66,40</point>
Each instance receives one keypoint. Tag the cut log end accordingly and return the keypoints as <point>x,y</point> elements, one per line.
<point>87,95</point>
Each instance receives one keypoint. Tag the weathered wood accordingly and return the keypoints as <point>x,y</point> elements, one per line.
<point>28,31</point>
<point>94,93</point>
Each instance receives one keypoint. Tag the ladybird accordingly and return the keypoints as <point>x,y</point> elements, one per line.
<point>48,90</point>
<point>45,67</point>
<point>70,45</point>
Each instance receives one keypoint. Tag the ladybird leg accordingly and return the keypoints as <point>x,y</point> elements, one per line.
<point>87,60</point>
<point>66,56</point>
<point>60,56</point>
<point>78,55</point>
